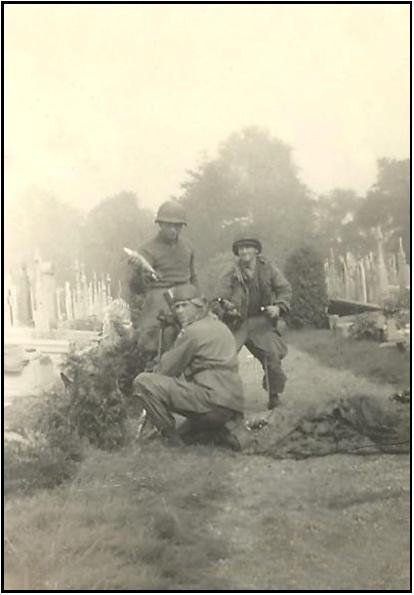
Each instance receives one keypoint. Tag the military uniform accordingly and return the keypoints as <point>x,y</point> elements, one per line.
<point>197,378</point>
<point>256,331</point>
<point>174,263</point>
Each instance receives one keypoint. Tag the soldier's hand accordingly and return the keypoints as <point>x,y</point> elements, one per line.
<point>272,311</point>
<point>217,309</point>
<point>151,365</point>
<point>133,259</point>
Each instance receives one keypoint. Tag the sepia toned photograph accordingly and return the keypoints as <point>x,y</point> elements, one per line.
<point>206,297</point>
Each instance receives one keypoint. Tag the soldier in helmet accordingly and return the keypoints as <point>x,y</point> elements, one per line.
<point>253,294</point>
<point>172,257</point>
<point>197,378</point>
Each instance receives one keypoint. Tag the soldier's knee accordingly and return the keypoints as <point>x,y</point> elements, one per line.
<point>143,382</point>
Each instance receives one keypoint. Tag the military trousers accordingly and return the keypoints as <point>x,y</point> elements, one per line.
<point>152,337</point>
<point>162,396</point>
<point>259,336</point>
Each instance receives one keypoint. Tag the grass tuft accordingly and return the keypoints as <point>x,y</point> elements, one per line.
<point>364,358</point>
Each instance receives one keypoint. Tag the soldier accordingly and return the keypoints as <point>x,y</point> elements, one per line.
<point>172,257</point>
<point>197,378</point>
<point>253,294</point>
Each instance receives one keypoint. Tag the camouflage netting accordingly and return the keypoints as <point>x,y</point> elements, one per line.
<point>362,424</point>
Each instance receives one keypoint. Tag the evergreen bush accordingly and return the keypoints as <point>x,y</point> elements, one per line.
<point>100,391</point>
<point>304,270</point>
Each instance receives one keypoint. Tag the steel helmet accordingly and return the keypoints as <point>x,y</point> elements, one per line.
<point>171,212</point>
<point>246,239</point>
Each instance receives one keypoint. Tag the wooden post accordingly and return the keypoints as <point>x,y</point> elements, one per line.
<point>84,292</point>
<point>403,268</point>
<point>382,277</point>
<point>95,294</point>
<point>352,272</point>
<point>45,298</point>
<point>108,289</point>
<point>333,275</point>
<point>362,276</point>
<point>103,285</point>
<point>8,303</point>
<point>68,302</point>
<point>345,277</point>
<point>90,298</point>
<point>58,294</point>
<point>24,312</point>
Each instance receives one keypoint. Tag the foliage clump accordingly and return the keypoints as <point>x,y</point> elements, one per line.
<point>304,270</point>
<point>398,307</point>
<point>101,390</point>
<point>366,327</point>
<point>41,448</point>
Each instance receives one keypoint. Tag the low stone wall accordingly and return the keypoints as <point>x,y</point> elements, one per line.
<point>32,359</point>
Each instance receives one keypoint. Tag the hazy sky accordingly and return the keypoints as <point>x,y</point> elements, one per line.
<point>104,98</point>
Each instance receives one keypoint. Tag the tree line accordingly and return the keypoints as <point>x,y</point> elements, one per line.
<point>253,182</point>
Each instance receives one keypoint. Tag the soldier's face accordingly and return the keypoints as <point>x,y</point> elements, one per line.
<point>247,255</point>
<point>170,231</point>
<point>186,312</point>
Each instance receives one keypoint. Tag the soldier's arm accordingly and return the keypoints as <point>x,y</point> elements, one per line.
<point>139,280</point>
<point>175,361</point>
<point>147,254</point>
<point>282,290</point>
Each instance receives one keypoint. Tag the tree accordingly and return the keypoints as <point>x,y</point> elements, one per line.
<point>253,180</point>
<point>387,203</point>
<point>115,223</point>
<point>38,222</point>
<point>335,224</point>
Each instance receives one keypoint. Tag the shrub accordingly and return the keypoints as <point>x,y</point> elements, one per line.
<point>101,390</point>
<point>398,306</point>
<point>366,326</point>
<point>305,271</point>
<point>41,449</point>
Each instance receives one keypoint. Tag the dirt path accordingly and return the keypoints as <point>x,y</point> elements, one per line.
<point>337,522</point>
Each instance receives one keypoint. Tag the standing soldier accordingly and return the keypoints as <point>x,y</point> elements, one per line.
<point>172,258</point>
<point>252,294</point>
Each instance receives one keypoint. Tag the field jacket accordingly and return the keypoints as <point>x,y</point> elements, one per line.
<point>273,286</point>
<point>205,353</point>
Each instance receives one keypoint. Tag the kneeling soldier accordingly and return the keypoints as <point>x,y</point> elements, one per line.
<point>197,378</point>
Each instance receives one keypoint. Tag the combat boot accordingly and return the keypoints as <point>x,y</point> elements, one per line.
<point>236,436</point>
<point>274,401</point>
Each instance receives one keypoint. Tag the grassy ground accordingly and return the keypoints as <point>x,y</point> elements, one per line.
<point>363,358</point>
<point>136,519</point>
<point>191,518</point>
